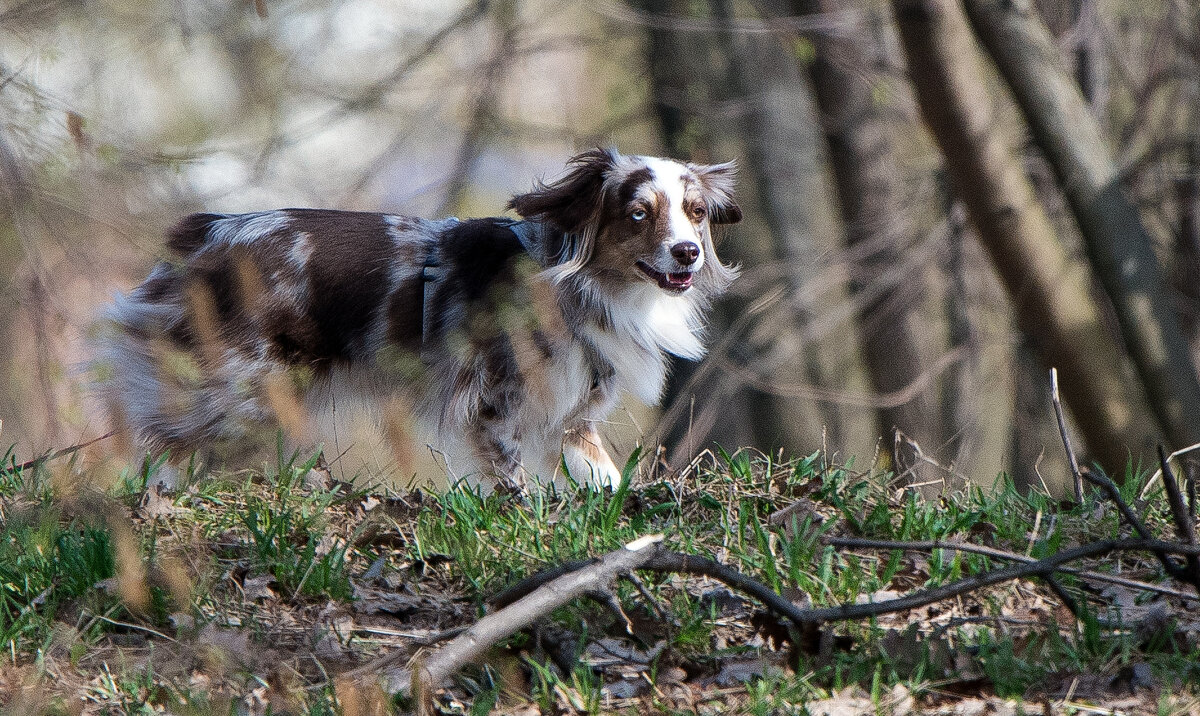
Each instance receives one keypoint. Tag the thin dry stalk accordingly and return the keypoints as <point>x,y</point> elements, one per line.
<point>1066,437</point>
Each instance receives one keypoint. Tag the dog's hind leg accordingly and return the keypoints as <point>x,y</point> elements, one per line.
<point>498,457</point>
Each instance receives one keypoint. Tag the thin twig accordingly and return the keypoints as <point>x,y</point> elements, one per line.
<point>375,665</point>
<point>1066,437</point>
<point>54,455</point>
<point>136,627</point>
<point>1158,473</point>
<point>827,22</point>
<point>647,596</point>
<point>929,545</point>
<point>1063,596</point>
<point>1114,493</point>
<point>1189,472</point>
<point>1183,522</point>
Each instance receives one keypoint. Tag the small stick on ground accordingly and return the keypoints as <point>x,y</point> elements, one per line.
<point>374,666</point>
<point>1066,437</point>
<point>597,576</point>
<point>1189,476</point>
<point>647,597</point>
<point>54,455</point>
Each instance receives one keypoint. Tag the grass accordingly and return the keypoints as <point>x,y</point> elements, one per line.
<point>250,591</point>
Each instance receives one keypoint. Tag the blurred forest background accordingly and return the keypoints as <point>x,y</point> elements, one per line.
<point>943,198</point>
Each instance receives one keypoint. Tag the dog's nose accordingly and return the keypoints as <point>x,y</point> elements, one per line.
<point>686,252</point>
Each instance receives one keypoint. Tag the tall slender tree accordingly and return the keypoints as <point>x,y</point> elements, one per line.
<point>779,147</point>
<point>683,76</point>
<point>862,157</point>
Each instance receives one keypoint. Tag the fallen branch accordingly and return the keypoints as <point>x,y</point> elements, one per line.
<point>524,587</point>
<point>542,593</point>
<point>596,576</point>
<point>675,562</point>
<point>690,564</point>
<point>930,545</point>
<point>1114,494</point>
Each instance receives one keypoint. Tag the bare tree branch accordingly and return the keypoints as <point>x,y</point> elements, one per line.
<point>830,22</point>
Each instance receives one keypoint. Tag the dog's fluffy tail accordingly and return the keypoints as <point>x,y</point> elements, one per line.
<point>191,233</point>
<point>154,381</point>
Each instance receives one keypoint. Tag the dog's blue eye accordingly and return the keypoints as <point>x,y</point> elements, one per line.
<point>638,214</point>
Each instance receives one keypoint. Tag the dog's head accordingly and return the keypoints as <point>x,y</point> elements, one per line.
<point>629,218</point>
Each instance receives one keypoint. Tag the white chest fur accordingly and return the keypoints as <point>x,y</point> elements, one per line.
<point>647,324</point>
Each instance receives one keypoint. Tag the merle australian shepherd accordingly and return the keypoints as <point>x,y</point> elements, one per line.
<point>503,340</point>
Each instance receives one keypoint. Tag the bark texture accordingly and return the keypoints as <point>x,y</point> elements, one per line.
<point>1117,242</point>
<point>862,155</point>
<point>1049,291</point>
<point>781,149</point>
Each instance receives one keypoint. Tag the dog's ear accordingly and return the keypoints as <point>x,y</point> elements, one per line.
<point>717,181</point>
<point>573,200</point>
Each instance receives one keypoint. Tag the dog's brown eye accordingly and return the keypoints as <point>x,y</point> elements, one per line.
<point>700,212</point>
<point>638,214</point>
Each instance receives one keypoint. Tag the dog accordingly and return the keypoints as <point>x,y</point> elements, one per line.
<point>502,340</point>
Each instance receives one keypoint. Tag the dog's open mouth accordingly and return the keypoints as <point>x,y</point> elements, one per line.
<point>678,282</point>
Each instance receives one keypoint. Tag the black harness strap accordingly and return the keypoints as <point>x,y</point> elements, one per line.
<point>433,272</point>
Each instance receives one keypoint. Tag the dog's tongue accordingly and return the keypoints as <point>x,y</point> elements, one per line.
<point>679,280</point>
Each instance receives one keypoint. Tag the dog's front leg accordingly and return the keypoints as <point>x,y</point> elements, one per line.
<point>586,459</point>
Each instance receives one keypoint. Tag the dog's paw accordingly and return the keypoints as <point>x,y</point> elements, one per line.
<point>597,471</point>
<point>166,479</point>
<point>606,475</point>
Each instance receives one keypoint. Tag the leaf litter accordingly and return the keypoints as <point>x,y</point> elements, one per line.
<point>257,641</point>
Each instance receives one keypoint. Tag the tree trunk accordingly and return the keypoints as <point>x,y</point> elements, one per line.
<point>669,90</point>
<point>1049,292</point>
<point>959,418</point>
<point>1026,442</point>
<point>862,156</point>
<point>683,73</point>
<point>776,146</point>
<point>482,117</point>
<point>1117,242</point>
<point>1186,275</point>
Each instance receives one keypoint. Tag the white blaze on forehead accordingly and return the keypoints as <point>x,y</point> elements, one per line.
<point>669,179</point>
